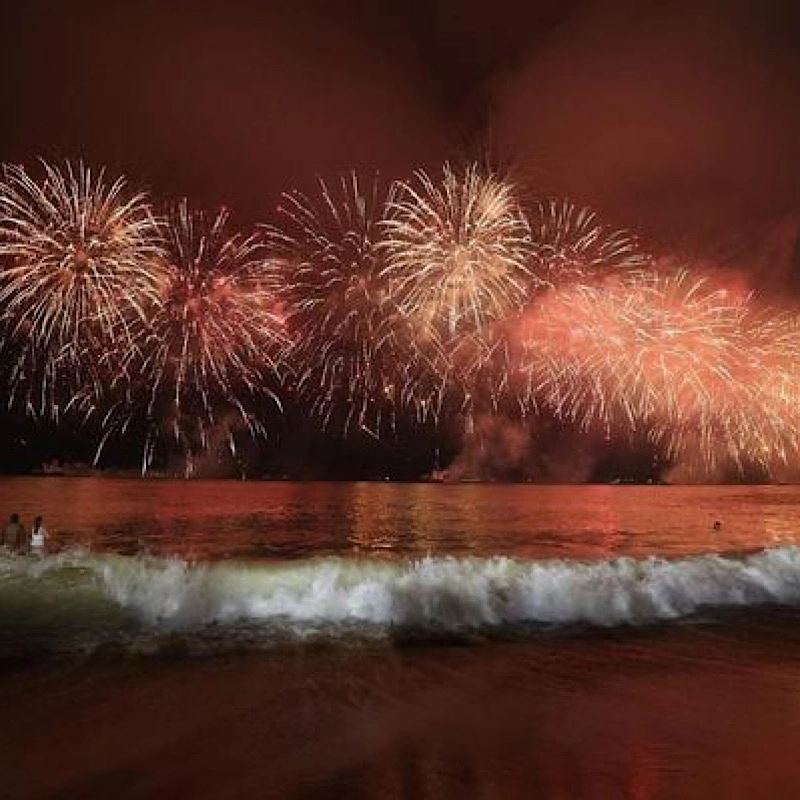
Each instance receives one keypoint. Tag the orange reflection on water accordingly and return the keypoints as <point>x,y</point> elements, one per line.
<point>234,519</point>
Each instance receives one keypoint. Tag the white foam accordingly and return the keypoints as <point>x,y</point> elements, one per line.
<point>451,593</point>
<point>438,593</point>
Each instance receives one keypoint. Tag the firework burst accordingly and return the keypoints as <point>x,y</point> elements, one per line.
<point>78,270</point>
<point>572,252</point>
<point>570,245</point>
<point>458,252</point>
<point>206,369</point>
<point>351,344</point>
<point>458,256</point>
<point>379,303</point>
<point>712,379</point>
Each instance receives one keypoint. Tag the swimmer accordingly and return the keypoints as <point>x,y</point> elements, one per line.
<point>38,536</point>
<point>14,534</point>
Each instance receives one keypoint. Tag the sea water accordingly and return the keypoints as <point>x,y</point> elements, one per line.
<point>618,640</point>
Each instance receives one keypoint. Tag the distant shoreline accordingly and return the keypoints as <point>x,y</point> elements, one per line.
<point>106,474</point>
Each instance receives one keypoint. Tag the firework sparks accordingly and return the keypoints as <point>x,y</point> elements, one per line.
<point>458,251</point>
<point>572,245</point>
<point>79,268</point>
<point>210,358</point>
<point>389,302</point>
<point>458,255</point>
<point>350,341</point>
<point>710,377</point>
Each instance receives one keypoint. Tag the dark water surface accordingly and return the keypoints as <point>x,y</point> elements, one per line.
<point>229,519</point>
<point>220,639</point>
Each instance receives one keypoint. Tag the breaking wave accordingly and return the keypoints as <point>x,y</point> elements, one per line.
<point>339,596</point>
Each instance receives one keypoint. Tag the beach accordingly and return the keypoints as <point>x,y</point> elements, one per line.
<point>231,680</point>
<point>690,713</point>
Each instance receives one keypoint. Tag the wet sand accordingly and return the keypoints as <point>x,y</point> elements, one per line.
<point>675,712</point>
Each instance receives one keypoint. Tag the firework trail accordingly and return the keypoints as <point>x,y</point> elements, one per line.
<point>710,377</point>
<point>78,271</point>
<point>352,347</point>
<point>208,364</point>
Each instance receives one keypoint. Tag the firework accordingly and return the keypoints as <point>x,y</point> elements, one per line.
<point>352,347</point>
<point>78,269</point>
<point>572,251</point>
<point>458,252</point>
<point>435,300</point>
<point>571,245</point>
<point>709,376</point>
<point>207,366</point>
<point>458,256</point>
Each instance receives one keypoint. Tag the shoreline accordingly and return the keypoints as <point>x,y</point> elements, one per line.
<point>673,709</point>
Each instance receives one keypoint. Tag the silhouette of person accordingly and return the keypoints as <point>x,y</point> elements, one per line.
<point>14,533</point>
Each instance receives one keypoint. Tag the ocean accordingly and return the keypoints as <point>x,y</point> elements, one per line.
<point>279,639</point>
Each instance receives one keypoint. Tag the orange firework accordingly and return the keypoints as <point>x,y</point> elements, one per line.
<point>571,245</point>
<point>458,252</point>
<point>704,371</point>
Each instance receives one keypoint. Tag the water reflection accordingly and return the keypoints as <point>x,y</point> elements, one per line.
<point>245,520</point>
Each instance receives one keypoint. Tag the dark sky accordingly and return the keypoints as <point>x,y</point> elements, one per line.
<point>679,119</point>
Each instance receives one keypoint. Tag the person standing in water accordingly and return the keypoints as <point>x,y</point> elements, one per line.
<point>14,534</point>
<point>38,536</point>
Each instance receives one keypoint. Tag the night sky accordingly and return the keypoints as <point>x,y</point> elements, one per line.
<point>679,120</point>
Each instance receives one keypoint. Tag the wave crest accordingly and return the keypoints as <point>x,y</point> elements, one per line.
<point>437,593</point>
